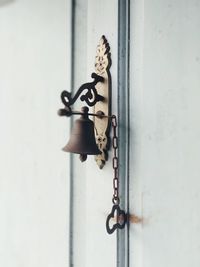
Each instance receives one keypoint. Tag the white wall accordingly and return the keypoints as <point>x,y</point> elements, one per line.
<point>165,97</point>
<point>33,171</point>
<point>165,146</point>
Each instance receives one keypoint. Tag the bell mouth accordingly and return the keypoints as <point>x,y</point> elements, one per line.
<point>84,151</point>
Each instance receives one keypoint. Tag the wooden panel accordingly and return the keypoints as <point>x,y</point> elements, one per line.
<point>33,174</point>
<point>165,126</point>
<point>92,187</point>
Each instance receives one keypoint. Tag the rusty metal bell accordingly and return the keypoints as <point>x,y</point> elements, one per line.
<point>82,140</point>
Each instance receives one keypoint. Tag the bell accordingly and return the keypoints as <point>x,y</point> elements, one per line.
<point>82,140</point>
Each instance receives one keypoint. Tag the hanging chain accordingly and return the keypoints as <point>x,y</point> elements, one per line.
<point>116,210</point>
<point>115,198</point>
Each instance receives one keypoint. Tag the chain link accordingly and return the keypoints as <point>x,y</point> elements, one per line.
<point>115,198</point>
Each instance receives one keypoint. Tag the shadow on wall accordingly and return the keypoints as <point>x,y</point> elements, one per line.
<point>6,2</point>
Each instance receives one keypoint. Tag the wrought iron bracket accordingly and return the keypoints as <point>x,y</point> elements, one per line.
<point>96,94</point>
<point>91,96</point>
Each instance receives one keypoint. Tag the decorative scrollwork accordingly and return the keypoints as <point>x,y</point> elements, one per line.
<point>91,97</point>
<point>102,60</point>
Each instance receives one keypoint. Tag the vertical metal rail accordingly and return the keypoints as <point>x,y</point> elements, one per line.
<point>123,129</point>
<point>71,185</point>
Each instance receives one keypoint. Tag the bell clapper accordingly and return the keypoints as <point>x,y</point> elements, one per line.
<point>83,157</point>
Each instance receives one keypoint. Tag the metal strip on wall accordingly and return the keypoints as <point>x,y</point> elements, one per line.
<point>123,113</point>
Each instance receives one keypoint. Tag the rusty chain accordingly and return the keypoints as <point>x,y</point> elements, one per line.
<point>115,162</point>
<point>116,210</point>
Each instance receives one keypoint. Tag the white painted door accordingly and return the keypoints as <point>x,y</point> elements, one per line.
<point>37,180</point>
<point>34,51</point>
<point>165,133</point>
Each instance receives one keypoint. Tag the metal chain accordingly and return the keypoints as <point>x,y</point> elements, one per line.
<point>115,198</point>
<point>116,211</point>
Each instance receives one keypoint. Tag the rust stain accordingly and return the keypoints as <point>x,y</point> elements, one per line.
<point>132,218</point>
<point>120,219</point>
